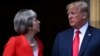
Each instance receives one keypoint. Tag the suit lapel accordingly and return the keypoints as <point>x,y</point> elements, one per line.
<point>70,41</point>
<point>86,40</point>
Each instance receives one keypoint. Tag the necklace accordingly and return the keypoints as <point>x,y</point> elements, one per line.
<point>33,44</point>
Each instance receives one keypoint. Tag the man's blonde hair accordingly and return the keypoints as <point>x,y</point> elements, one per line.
<point>81,4</point>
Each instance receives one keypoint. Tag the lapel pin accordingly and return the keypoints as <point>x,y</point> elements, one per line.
<point>89,34</point>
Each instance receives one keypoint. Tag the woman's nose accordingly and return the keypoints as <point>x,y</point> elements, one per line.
<point>38,21</point>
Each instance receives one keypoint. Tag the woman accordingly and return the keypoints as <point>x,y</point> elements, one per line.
<point>26,43</point>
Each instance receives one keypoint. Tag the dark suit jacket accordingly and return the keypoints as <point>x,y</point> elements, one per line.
<point>19,46</point>
<point>90,45</point>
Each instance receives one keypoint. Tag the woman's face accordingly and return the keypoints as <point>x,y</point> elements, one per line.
<point>35,25</point>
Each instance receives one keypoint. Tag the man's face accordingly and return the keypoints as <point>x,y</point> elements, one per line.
<point>75,17</point>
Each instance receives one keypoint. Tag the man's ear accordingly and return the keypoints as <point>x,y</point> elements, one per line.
<point>84,15</point>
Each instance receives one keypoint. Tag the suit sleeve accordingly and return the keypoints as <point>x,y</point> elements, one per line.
<point>55,49</point>
<point>9,48</point>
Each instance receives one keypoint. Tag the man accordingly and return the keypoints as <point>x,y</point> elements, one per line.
<point>82,39</point>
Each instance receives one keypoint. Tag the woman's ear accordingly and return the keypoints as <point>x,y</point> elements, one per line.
<point>29,28</point>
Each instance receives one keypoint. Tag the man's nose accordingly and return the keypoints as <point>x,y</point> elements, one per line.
<point>69,16</point>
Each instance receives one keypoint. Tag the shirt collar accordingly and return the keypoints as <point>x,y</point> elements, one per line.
<point>83,28</point>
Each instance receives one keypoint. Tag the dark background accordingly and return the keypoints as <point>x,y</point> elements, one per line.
<point>51,13</point>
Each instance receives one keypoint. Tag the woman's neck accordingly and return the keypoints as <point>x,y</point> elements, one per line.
<point>30,37</point>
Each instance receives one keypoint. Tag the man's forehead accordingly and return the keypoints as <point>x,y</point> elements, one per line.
<point>74,8</point>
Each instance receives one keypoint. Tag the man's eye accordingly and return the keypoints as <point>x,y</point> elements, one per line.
<point>72,13</point>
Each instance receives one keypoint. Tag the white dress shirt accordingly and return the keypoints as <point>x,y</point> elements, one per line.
<point>82,33</point>
<point>35,48</point>
<point>35,52</point>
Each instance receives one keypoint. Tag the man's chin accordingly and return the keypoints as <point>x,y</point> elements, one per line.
<point>72,25</point>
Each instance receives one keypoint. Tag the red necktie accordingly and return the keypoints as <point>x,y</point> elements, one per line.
<point>76,43</point>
